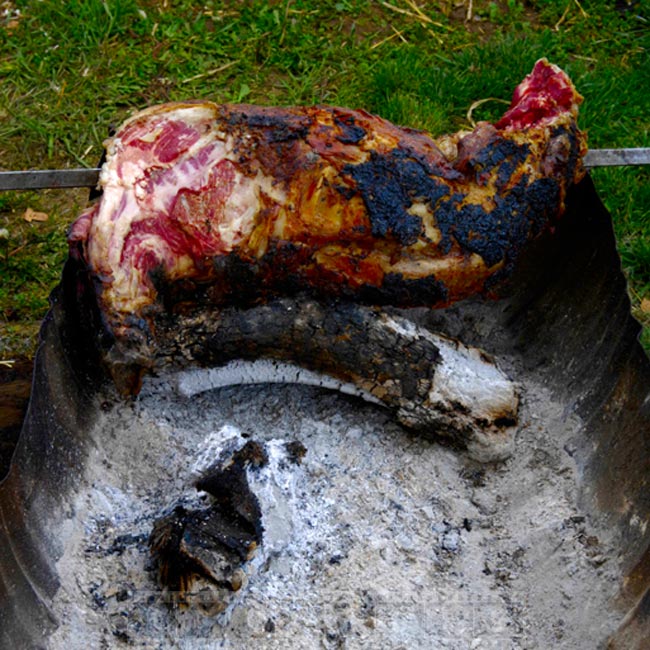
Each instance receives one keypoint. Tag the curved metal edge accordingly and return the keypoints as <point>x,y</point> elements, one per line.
<point>567,319</point>
<point>47,460</point>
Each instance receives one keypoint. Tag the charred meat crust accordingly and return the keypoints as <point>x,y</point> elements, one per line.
<point>208,206</point>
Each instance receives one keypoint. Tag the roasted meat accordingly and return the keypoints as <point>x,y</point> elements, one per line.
<point>232,204</point>
<point>237,231</point>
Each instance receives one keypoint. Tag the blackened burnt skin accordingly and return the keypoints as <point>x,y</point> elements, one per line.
<point>207,206</point>
<point>389,185</point>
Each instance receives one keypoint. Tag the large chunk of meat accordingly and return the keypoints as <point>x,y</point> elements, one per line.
<point>235,203</point>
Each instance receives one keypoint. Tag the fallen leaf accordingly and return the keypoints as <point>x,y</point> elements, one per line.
<point>645,306</point>
<point>31,215</point>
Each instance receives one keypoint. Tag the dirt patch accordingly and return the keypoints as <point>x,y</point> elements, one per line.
<point>483,18</point>
<point>15,388</point>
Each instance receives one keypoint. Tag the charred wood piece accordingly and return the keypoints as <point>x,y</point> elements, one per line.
<point>296,451</point>
<point>433,384</point>
<point>210,547</point>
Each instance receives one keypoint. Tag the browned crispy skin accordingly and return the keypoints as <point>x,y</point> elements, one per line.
<point>209,205</point>
<point>378,213</point>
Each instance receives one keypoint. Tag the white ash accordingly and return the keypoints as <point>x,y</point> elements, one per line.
<point>378,539</point>
<point>261,371</point>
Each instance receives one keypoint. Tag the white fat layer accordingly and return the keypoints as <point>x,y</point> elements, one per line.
<point>126,195</point>
<point>190,113</point>
<point>261,371</point>
<point>425,266</point>
<point>243,204</point>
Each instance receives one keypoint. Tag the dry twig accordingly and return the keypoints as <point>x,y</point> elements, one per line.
<point>436,36</point>
<point>565,13</point>
<point>562,18</point>
<point>424,17</point>
<point>284,22</point>
<point>397,34</point>
<point>209,73</point>
<point>591,59</point>
<point>478,103</point>
<point>582,11</point>
<point>417,13</point>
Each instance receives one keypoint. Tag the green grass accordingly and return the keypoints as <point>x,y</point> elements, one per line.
<point>69,70</point>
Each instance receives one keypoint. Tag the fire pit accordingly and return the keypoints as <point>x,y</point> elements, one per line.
<point>205,514</point>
